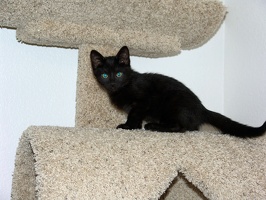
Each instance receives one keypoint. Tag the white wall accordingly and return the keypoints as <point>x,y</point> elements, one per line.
<point>37,87</point>
<point>245,61</point>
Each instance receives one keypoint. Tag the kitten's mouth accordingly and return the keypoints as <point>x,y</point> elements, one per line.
<point>113,88</point>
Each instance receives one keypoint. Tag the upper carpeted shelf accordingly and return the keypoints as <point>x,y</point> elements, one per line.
<point>151,28</point>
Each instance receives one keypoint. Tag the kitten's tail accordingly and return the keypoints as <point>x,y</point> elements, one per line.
<point>228,126</point>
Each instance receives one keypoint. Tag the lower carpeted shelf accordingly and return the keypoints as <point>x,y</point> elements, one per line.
<point>92,163</point>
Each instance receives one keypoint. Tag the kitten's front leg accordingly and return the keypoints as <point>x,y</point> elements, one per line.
<point>134,119</point>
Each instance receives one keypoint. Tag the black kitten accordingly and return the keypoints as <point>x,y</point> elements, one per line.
<point>167,104</point>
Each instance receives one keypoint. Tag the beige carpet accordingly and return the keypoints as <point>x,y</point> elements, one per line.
<point>150,28</point>
<point>96,161</point>
<point>92,163</point>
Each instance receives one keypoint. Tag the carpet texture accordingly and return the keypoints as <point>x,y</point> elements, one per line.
<point>95,161</point>
<point>150,28</point>
<point>92,163</point>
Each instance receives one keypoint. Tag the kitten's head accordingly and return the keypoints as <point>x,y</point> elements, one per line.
<point>112,72</point>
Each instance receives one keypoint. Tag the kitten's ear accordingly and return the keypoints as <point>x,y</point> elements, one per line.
<point>123,56</point>
<point>96,59</point>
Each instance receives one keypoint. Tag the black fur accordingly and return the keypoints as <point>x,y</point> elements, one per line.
<point>165,103</point>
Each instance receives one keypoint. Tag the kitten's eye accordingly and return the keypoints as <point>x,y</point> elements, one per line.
<point>119,74</point>
<point>104,76</point>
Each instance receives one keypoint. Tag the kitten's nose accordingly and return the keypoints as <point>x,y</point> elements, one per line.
<point>113,85</point>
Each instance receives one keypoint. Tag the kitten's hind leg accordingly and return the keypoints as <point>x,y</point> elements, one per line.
<point>163,127</point>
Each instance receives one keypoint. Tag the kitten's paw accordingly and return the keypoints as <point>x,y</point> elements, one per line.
<point>127,127</point>
<point>151,127</point>
<point>123,126</point>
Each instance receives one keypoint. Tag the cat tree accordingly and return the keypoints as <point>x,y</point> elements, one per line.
<point>95,161</point>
